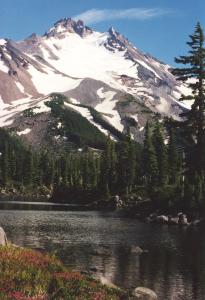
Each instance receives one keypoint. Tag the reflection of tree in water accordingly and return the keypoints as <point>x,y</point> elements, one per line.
<point>174,266</point>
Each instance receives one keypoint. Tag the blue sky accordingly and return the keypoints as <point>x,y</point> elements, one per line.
<point>158,27</point>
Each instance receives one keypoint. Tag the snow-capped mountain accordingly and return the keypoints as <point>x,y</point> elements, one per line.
<point>102,70</point>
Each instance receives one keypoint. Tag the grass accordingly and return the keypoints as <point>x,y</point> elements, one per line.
<point>30,275</point>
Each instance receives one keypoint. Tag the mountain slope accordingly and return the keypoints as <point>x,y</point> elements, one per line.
<point>101,70</point>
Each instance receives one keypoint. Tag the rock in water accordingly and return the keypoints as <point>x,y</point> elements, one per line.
<point>182,219</point>
<point>162,219</point>
<point>143,293</point>
<point>136,249</point>
<point>3,238</point>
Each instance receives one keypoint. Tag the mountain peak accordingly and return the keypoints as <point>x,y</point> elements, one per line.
<point>112,31</point>
<point>69,25</point>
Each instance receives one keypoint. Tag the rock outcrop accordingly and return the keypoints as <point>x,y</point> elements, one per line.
<point>142,293</point>
<point>3,237</point>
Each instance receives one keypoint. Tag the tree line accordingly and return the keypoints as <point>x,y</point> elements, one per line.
<point>169,168</point>
<point>121,168</point>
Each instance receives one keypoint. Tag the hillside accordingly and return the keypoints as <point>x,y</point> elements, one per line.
<point>103,71</point>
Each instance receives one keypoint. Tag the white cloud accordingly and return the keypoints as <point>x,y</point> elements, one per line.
<point>96,15</point>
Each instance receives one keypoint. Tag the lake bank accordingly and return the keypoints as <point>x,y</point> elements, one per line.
<point>103,242</point>
<point>29,275</point>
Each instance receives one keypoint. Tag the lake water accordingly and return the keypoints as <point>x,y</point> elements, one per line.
<point>174,266</point>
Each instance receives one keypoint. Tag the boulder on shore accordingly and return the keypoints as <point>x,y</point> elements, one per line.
<point>105,281</point>
<point>173,220</point>
<point>142,293</point>
<point>136,250</point>
<point>182,219</point>
<point>162,219</point>
<point>3,238</point>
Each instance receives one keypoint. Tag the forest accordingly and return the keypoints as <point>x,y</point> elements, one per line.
<point>168,169</point>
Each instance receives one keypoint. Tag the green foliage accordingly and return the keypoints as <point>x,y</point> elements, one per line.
<point>193,68</point>
<point>27,274</point>
<point>98,118</point>
<point>174,161</point>
<point>158,138</point>
<point>126,100</point>
<point>28,112</point>
<point>75,127</point>
<point>150,166</point>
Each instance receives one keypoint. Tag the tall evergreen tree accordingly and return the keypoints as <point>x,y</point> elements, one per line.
<point>149,158</point>
<point>126,164</point>
<point>158,138</point>
<point>193,73</point>
<point>5,164</point>
<point>106,168</point>
<point>28,168</point>
<point>173,158</point>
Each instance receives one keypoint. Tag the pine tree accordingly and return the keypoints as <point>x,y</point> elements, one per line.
<point>149,158</point>
<point>28,168</point>
<point>5,164</point>
<point>161,153</point>
<point>173,158</point>
<point>106,168</point>
<point>85,171</point>
<point>131,162</point>
<point>113,167</point>
<point>124,164</point>
<point>194,71</point>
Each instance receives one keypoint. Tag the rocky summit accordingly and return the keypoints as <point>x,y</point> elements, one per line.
<point>103,71</point>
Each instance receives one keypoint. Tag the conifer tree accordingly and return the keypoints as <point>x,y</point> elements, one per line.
<point>193,73</point>
<point>28,168</point>
<point>149,158</point>
<point>161,153</point>
<point>5,164</point>
<point>173,158</point>
<point>106,168</point>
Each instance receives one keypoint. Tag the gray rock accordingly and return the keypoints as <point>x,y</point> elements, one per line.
<point>152,217</point>
<point>196,222</point>
<point>143,293</point>
<point>105,281</point>
<point>182,219</point>
<point>3,238</point>
<point>136,250</point>
<point>174,221</point>
<point>162,219</point>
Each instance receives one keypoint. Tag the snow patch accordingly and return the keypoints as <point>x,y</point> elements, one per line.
<point>41,107</point>
<point>23,132</point>
<point>59,125</point>
<point>100,93</point>
<point>3,67</point>
<point>135,117</point>
<point>147,67</point>
<point>107,107</point>
<point>2,42</point>
<point>74,101</point>
<point>50,81</point>
<point>20,86</point>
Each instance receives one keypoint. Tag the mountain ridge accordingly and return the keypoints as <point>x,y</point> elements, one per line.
<point>92,68</point>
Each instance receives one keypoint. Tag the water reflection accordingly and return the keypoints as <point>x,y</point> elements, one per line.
<point>174,266</point>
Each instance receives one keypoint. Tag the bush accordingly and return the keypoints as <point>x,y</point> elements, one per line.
<point>26,274</point>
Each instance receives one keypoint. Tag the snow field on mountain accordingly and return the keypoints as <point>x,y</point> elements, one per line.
<point>87,57</point>
<point>108,108</point>
<point>51,82</point>
<point>9,111</point>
